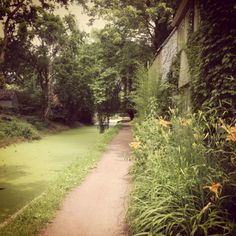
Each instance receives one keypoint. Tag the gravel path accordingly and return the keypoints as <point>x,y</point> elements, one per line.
<point>98,206</point>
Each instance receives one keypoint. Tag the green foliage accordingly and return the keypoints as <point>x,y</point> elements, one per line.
<point>172,177</point>
<point>15,14</point>
<point>18,128</point>
<point>73,77</point>
<point>121,53</point>
<point>139,97</point>
<point>147,21</point>
<point>153,95</point>
<point>212,64</point>
<point>105,91</point>
<point>176,166</point>
<point>213,85</point>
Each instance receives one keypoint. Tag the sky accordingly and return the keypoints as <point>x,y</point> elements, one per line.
<point>81,17</point>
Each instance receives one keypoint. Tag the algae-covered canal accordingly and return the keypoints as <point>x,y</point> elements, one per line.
<point>26,169</point>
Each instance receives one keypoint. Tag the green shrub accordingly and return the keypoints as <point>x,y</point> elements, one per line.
<point>1,134</point>
<point>152,95</point>
<point>177,188</point>
<point>17,128</point>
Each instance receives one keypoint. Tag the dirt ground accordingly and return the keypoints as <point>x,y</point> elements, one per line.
<point>98,206</point>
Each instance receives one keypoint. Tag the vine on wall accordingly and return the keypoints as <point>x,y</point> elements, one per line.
<point>212,64</point>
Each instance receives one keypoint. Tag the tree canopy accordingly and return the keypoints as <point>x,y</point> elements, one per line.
<point>68,75</point>
<point>146,21</point>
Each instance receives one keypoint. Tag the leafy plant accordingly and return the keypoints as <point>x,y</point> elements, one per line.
<point>210,54</point>
<point>17,128</point>
<point>177,189</point>
<point>153,96</point>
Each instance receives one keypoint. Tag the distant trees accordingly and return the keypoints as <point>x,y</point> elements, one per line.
<point>116,58</point>
<point>106,96</point>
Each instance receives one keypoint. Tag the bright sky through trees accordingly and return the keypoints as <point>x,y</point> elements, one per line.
<point>81,17</point>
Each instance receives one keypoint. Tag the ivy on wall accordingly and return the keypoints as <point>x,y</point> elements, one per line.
<point>212,63</point>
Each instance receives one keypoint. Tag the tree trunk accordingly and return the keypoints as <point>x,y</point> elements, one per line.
<point>4,42</point>
<point>101,123</point>
<point>49,94</point>
<point>44,98</point>
<point>161,32</point>
<point>2,57</point>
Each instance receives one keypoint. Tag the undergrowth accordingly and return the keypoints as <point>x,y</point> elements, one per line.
<point>13,127</point>
<point>40,211</point>
<point>177,188</point>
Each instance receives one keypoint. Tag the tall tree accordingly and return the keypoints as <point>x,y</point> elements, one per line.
<point>106,95</point>
<point>73,77</point>
<point>48,35</point>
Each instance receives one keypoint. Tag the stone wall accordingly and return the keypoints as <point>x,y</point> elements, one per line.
<point>168,53</point>
<point>164,58</point>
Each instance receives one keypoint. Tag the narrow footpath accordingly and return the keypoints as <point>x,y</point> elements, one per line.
<point>98,206</point>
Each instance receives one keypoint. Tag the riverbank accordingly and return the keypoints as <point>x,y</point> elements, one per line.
<point>17,129</point>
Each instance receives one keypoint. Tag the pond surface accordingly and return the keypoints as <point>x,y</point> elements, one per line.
<point>27,168</point>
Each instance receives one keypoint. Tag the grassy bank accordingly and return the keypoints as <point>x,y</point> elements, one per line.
<point>13,129</point>
<point>177,188</point>
<point>41,210</point>
<point>16,129</point>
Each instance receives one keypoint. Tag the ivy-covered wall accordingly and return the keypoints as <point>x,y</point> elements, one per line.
<point>211,57</point>
<point>210,53</point>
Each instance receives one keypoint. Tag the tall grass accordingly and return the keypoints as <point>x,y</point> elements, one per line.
<point>177,188</point>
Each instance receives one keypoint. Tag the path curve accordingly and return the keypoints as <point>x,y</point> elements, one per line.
<point>98,206</point>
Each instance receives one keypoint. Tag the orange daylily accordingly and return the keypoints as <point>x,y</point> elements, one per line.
<point>135,145</point>
<point>185,122</point>
<point>233,129</point>
<point>232,134</point>
<point>215,188</point>
<point>231,137</point>
<point>164,123</point>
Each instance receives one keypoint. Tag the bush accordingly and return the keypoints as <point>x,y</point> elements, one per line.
<point>153,95</point>
<point>17,128</point>
<point>177,188</point>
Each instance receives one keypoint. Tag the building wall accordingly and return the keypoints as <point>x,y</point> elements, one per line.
<point>168,53</point>
<point>154,71</point>
<point>183,33</point>
<point>163,60</point>
<point>175,44</point>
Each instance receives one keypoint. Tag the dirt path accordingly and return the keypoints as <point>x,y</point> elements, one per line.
<point>98,206</point>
